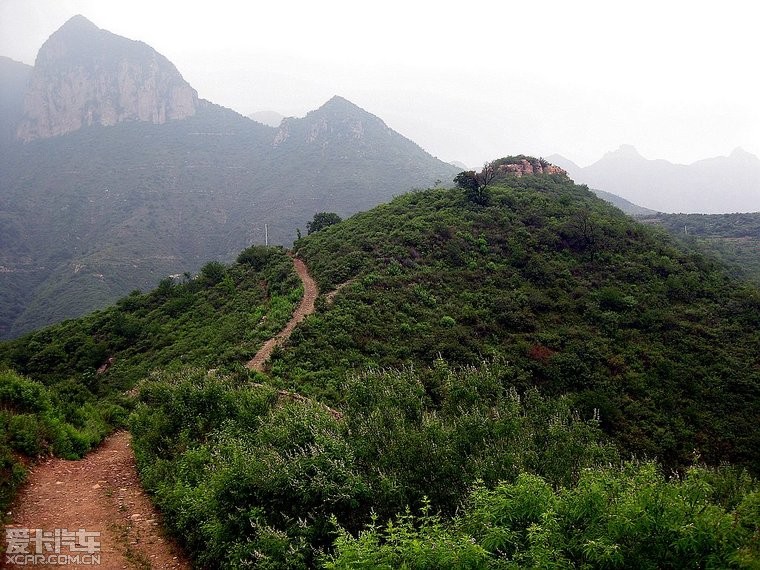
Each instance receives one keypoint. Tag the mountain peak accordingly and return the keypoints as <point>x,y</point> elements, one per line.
<point>341,105</point>
<point>338,119</point>
<point>86,76</point>
<point>625,151</point>
<point>338,100</point>
<point>77,22</point>
<point>740,154</point>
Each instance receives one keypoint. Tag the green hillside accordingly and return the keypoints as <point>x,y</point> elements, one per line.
<point>75,373</point>
<point>87,217</point>
<point>219,318</point>
<point>580,297</point>
<point>732,238</point>
<point>533,381</point>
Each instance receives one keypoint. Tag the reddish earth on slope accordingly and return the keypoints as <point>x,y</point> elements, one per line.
<point>100,494</point>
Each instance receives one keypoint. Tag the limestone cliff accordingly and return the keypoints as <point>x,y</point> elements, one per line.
<point>87,76</point>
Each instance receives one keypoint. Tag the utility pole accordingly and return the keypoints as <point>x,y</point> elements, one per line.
<point>266,235</point>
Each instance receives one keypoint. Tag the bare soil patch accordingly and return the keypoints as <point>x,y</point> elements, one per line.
<point>100,493</point>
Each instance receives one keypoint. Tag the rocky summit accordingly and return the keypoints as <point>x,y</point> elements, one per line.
<point>86,76</point>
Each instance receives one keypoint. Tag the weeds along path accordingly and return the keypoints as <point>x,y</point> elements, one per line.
<point>306,308</point>
<point>100,493</point>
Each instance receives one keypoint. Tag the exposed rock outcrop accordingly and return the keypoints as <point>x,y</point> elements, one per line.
<point>87,76</point>
<point>523,166</point>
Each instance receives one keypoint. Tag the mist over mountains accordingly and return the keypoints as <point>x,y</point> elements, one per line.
<point>115,175</point>
<point>502,372</point>
<point>723,184</point>
<point>86,76</point>
<point>14,76</point>
<point>124,177</point>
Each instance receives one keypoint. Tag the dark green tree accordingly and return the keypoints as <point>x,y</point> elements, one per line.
<point>475,184</point>
<point>257,256</point>
<point>212,273</point>
<point>321,221</point>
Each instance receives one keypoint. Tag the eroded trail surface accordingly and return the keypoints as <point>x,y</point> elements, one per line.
<point>100,494</point>
<point>306,308</point>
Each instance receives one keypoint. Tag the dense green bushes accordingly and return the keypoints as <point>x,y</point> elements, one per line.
<point>431,433</point>
<point>217,319</point>
<point>239,478</point>
<point>37,421</point>
<point>583,300</point>
<point>244,475</point>
<point>732,238</point>
<point>614,517</point>
<point>248,476</point>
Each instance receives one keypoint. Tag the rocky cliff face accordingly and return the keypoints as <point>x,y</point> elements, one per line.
<point>87,76</point>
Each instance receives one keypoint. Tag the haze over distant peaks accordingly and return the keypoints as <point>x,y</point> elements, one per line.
<point>337,121</point>
<point>723,184</point>
<point>14,76</point>
<point>268,118</point>
<point>627,151</point>
<point>340,130</point>
<point>86,76</point>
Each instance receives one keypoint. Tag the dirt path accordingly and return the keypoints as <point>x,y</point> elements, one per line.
<point>100,493</point>
<point>310,293</point>
<point>330,297</point>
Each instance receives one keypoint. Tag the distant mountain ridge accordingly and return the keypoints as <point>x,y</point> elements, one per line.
<point>14,77</point>
<point>724,184</point>
<point>102,209</point>
<point>87,76</point>
<point>268,118</point>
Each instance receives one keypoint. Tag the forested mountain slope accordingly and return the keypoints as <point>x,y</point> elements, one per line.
<point>532,380</point>
<point>581,298</point>
<point>120,186</point>
<point>732,238</point>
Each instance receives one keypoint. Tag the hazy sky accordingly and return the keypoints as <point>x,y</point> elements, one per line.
<point>468,81</point>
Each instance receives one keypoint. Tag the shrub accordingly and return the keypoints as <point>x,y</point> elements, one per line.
<point>257,256</point>
<point>614,517</point>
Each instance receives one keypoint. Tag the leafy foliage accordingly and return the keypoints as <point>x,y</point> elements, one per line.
<point>732,238</point>
<point>475,184</point>
<point>322,220</point>
<point>66,420</point>
<point>81,368</point>
<point>217,319</point>
<point>615,517</point>
<point>244,475</point>
<point>581,299</point>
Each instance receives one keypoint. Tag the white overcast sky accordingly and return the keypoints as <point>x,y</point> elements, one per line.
<point>468,81</point>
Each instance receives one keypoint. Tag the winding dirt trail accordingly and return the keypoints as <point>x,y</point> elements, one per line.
<point>100,493</point>
<point>306,308</point>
